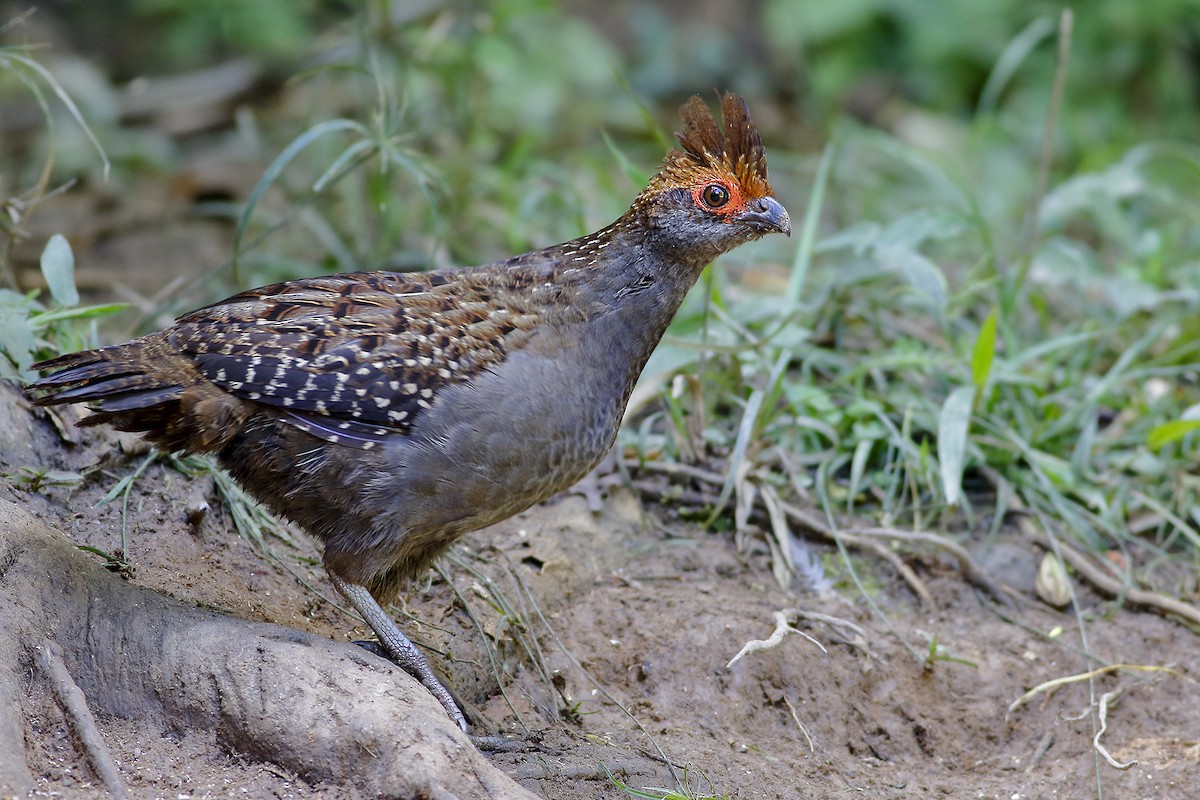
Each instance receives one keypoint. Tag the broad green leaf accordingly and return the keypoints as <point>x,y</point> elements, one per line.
<point>1162,435</point>
<point>985,351</point>
<point>17,343</point>
<point>918,227</point>
<point>58,265</point>
<point>953,423</point>
<point>857,238</point>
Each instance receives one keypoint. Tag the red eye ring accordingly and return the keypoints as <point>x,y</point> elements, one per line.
<point>715,195</point>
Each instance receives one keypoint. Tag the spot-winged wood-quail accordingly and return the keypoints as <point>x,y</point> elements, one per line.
<point>389,413</point>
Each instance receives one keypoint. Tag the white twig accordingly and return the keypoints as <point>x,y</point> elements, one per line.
<point>811,747</point>
<point>1103,714</point>
<point>782,628</point>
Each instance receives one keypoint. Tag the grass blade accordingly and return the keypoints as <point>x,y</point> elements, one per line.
<point>812,216</point>
<point>953,424</point>
<point>276,167</point>
<point>61,94</point>
<point>1010,60</point>
<point>744,437</point>
<point>984,352</point>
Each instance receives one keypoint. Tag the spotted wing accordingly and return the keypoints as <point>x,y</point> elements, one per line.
<point>353,358</point>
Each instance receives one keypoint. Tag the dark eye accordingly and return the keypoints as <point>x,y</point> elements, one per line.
<point>715,195</point>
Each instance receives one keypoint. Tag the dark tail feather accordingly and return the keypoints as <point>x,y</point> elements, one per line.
<point>137,386</point>
<point>148,387</point>
<point>115,379</point>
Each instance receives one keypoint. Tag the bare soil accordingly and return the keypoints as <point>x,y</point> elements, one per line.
<point>633,618</point>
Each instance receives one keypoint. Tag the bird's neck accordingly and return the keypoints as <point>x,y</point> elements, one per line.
<point>634,287</point>
<point>632,271</point>
<point>612,292</point>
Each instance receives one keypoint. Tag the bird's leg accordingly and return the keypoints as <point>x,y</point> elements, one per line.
<point>399,649</point>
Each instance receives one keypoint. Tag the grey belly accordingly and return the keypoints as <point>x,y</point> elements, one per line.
<point>489,450</point>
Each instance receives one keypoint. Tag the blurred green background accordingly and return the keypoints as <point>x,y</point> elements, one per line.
<point>501,101</point>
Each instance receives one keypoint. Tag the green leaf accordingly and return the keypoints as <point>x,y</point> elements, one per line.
<point>858,238</point>
<point>116,491</point>
<point>1055,469</point>
<point>17,343</point>
<point>43,319</point>
<point>10,58</point>
<point>58,265</point>
<point>985,351</point>
<point>858,468</point>
<point>914,229</point>
<point>953,423</point>
<point>356,153</point>
<point>920,273</point>
<point>1011,59</point>
<point>1162,435</point>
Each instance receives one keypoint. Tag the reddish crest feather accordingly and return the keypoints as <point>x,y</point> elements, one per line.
<point>734,154</point>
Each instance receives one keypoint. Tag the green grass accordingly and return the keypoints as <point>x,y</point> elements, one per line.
<point>684,791</point>
<point>31,328</point>
<point>963,347</point>
<point>908,379</point>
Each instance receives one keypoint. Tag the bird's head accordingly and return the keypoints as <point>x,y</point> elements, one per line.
<point>712,194</point>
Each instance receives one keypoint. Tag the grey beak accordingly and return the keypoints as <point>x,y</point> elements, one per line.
<point>768,215</point>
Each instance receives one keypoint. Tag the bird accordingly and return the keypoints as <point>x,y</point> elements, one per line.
<point>387,414</point>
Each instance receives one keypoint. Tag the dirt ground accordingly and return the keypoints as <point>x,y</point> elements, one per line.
<point>627,607</point>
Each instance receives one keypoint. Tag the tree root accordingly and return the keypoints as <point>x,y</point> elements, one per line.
<point>71,698</point>
<point>328,712</point>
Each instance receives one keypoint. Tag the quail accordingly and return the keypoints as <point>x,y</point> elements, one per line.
<point>387,414</point>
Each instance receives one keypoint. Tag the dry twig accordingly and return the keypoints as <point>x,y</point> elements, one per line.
<point>855,537</point>
<point>1101,579</point>
<point>1097,576</point>
<point>1050,686</point>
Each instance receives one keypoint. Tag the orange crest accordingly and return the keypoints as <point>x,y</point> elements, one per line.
<point>733,157</point>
